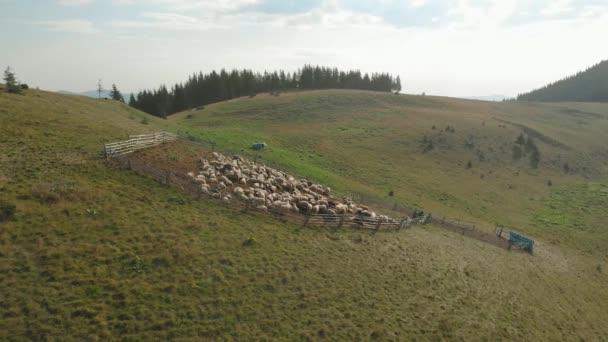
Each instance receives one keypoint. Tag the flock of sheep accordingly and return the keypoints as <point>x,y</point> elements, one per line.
<point>229,178</point>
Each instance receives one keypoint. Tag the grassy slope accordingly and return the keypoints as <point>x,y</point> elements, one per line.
<point>99,252</point>
<point>369,143</point>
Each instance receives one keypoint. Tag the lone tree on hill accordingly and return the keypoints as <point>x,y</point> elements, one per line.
<point>116,95</point>
<point>12,86</point>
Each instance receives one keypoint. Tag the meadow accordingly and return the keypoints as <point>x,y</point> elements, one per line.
<point>97,252</point>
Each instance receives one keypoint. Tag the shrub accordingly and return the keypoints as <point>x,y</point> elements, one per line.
<point>535,158</point>
<point>549,183</point>
<point>391,193</point>
<point>7,211</point>
<point>249,242</point>
<point>24,86</point>
<point>566,168</point>
<point>49,193</point>
<point>46,193</point>
<point>517,153</point>
<point>469,164</point>
<point>145,121</point>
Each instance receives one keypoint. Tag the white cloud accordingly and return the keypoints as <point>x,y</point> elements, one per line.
<point>69,25</point>
<point>75,2</point>
<point>557,7</point>
<point>418,3</point>
<point>329,15</point>
<point>168,22</point>
<point>202,6</point>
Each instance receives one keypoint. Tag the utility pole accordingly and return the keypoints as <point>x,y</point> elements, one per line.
<point>99,89</point>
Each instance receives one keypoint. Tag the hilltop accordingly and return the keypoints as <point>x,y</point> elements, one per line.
<point>96,251</point>
<point>590,85</point>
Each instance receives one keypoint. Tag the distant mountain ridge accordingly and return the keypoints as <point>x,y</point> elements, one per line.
<point>93,93</point>
<point>590,85</point>
<point>493,98</point>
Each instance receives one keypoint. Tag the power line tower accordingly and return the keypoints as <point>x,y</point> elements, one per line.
<point>99,88</point>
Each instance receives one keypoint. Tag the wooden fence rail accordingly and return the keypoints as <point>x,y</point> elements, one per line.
<point>137,142</point>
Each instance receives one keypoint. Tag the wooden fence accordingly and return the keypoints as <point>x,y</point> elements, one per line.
<point>185,183</point>
<point>137,142</point>
<point>120,150</point>
<point>469,229</point>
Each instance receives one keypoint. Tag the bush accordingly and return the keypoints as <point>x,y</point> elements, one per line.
<point>249,242</point>
<point>469,164</point>
<point>53,192</point>
<point>517,153</point>
<point>535,158</point>
<point>24,86</point>
<point>549,183</point>
<point>46,193</point>
<point>7,211</point>
<point>145,121</point>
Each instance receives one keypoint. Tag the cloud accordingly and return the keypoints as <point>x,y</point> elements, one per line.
<point>75,2</point>
<point>330,15</point>
<point>69,25</point>
<point>418,3</point>
<point>556,8</point>
<point>222,15</point>
<point>201,6</point>
<point>169,22</point>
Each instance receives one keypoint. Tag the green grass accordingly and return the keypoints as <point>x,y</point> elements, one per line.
<point>367,144</point>
<point>96,252</point>
<point>577,213</point>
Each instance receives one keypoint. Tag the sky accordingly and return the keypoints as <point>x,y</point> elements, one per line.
<point>441,47</point>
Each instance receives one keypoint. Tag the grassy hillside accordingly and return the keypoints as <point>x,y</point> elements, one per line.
<point>448,156</point>
<point>590,85</point>
<point>96,252</point>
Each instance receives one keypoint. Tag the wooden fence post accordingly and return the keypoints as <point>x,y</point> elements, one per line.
<point>341,221</point>
<point>167,177</point>
<point>401,224</point>
<point>306,219</point>
<point>247,204</point>
<point>378,224</point>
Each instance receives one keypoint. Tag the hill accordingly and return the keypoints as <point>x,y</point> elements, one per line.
<point>452,157</point>
<point>98,252</point>
<point>590,85</point>
<point>94,94</point>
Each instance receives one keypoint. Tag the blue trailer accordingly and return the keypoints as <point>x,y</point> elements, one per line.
<point>258,146</point>
<point>521,241</point>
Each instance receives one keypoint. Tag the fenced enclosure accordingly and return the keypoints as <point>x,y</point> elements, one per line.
<point>186,183</point>
<point>119,153</point>
<point>137,142</point>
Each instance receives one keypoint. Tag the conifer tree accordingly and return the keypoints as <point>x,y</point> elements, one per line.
<point>12,86</point>
<point>132,101</point>
<point>116,95</point>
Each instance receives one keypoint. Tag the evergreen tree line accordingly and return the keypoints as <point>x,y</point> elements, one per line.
<point>590,85</point>
<point>202,89</point>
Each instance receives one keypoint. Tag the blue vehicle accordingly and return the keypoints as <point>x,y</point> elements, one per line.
<point>258,146</point>
<point>521,241</point>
